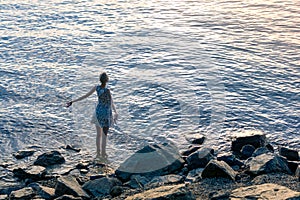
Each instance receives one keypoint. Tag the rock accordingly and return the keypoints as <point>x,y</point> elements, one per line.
<point>220,196</point>
<point>137,181</point>
<point>260,151</point>
<point>23,154</point>
<point>76,149</point>
<point>178,192</point>
<point>22,194</point>
<point>218,169</point>
<point>6,187</point>
<point>194,175</point>
<point>190,150</point>
<point>270,147</point>
<point>297,173</point>
<point>230,159</point>
<point>266,191</point>
<point>43,191</point>
<point>268,163</point>
<point>195,138</point>
<point>49,158</point>
<point>68,197</point>
<point>290,154</point>
<point>247,151</point>
<point>3,196</point>
<point>255,138</point>
<point>200,158</point>
<point>116,191</point>
<point>69,185</point>
<point>293,166</point>
<point>164,180</point>
<point>152,160</point>
<point>101,187</point>
<point>32,172</point>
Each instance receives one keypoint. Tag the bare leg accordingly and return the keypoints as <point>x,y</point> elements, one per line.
<point>104,136</point>
<point>98,139</point>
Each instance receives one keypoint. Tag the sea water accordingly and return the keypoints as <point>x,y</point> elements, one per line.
<point>175,67</point>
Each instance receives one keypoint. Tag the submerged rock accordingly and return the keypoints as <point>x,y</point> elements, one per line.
<point>200,158</point>
<point>268,163</point>
<point>266,191</point>
<point>101,187</point>
<point>290,154</point>
<point>166,193</point>
<point>195,138</point>
<point>151,161</point>
<point>49,158</point>
<point>23,154</point>
<point>218,169</point>
<point>22,194</point>
<point>69,185</point>
<point>254,138</point>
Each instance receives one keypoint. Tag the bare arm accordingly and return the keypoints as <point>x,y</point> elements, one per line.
<point>83,97</point>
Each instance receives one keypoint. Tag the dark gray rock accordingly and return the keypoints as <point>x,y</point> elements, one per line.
<point>22,194</point>
<point>290,154</point>
<point>254,138</point>
<point>73,148</point>
<point>32,172</point>
<point>68,197</point>
<point>230,159</point>
<point>268,163</point>
<point>164,180</point>
<point>270,147</point>
<point>189,151</point>
<point>200,158</point>
<point>218,169</point>
<point>23,153</point>
<point>195,138</point>
<point>6,187</point>
<point>293,166</point>
<point>101,187</point>
<point>194,175</point>
<point>117,191</point>
<point>151,161</point>
<point>43,191</point>
<point>260,151</point>
<point>49,158</point>
<point>136,181</point>
<point>297,173</point>
<point>69,185</point>
<point>247,151</point>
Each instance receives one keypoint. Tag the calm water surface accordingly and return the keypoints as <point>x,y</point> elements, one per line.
<point>175,67</point>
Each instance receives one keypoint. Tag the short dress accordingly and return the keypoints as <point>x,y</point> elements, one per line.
<point>103,113</point>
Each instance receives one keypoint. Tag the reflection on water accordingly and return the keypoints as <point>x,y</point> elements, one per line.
<point>174,66</point>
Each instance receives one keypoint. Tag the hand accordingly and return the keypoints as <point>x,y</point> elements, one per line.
<point>69,104</point>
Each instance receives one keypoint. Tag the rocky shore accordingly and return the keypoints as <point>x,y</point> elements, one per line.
<point>253,169</point>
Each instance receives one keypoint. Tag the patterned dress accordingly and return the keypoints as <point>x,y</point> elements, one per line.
<point>103,112</point>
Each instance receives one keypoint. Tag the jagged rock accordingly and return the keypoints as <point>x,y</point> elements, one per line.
<point>68,197</point>
<point>230,159</point>
<point>116,191</point>
<point>270,147</point>
<point>297,173</point>
<point>6,187</point>
<point>191,150</point>
<point>49,158</point>
<point>195,138</point>
<point>22,194</point>
<point>293,166</point>
<point>73,148</point>
<point>290,154</point>
<point>247,151</point>
<point>218,169</point>
<point>200,158</point>
<point>136,181</point>
<point>164,180</point>
<point>101,187</point>
<point>255,138</point>
<point>266,191</point>
<point>260,151</point>
<point>23,153</point>
<point>69,185</point>
<point>194,175</point>
<point>267,163</point>
<point>32,172</point>
<point>166,193</point>
<point>43,191</point>
<point>152,160</point>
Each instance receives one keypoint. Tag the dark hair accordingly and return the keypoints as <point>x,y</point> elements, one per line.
<point>103,77</point>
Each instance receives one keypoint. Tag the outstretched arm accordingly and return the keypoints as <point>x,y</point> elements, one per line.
<point>83,97</point>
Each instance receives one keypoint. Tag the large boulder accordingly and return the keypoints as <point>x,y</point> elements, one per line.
<point>69,185</point>
<point>179,192</point>
<point>266,191</point>
<point>254,138</point>
<point>151,161</point>
<point>290,154</point>
<point>32,172</point>
<point>218,169</point>
<point>101,187</point>
<point>268,163</point>
<point>49,158</point>
<point>22,194</point>
<point>200,158</point>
